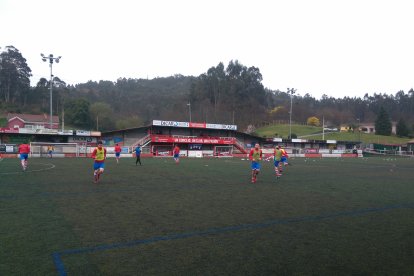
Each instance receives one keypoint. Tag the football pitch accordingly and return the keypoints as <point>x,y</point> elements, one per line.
<point>204,217</point>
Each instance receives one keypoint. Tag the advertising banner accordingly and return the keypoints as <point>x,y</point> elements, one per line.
<point>9,130</point>
<point>65,132</point>
<point>47,131</point>
<point>170,123</point>
<point>170,139</point>
<point>195,146</point>
<point>27,130</point>
<point>299,141</point>
<point>220,126</point>
<point>164,153</point>
<point>193,125</point>
<point>311,150</point>
<point>198,125</point>
<point>83,133</point>
<point>8,149</point>
<point>75,139</point>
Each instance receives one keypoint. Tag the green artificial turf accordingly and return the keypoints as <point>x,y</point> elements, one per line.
<point>204,217</point>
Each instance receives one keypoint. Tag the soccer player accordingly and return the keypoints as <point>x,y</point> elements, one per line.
<point>117,152</point>
<point>176,154</point>
<point>50,150</point>
<point>24,150</point>
<point>283,160</point>
<point>255,156</point>
<point>138,155</point>
<point>277,159</point>
<point>99,154</point>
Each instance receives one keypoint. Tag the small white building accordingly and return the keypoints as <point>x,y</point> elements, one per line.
<point>370,127</point>
<point>367,128</point>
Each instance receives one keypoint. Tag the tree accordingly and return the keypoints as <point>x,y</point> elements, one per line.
<point>402,128</point>
<point>102,116</point>
<point>216,80</point>
<point>383,124</point>
<point>41,94</point>
<point>129,122</point>
<point>313,121</point>
<point>14,75</point>
<point>77,113</point>
<point>234,94</point>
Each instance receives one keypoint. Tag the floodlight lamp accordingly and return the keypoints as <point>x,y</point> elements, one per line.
<point>44,59</point>
<point>57,60</point>
<point>42,55</point>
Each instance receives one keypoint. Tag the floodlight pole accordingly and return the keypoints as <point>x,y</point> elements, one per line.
<point>51,60</point>
<point>189,109</point>
<point>323,127</point>
<point>359,130</point>
<point>290,91</point>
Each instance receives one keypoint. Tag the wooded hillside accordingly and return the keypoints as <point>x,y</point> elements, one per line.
<point>223,94</point>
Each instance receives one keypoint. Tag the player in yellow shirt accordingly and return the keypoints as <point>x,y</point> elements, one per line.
<point>277,159</point>
<point>50,150</point>
<point>99,155</point>
<point>255,156</point>
<point>283,160</point>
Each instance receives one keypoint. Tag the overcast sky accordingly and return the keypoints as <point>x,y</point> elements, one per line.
<point>332,47</point>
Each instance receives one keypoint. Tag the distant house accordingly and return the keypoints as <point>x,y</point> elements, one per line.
<point>346,128</point>
<point>370,127</point>
<point>15,120</point>
<point>367,128</point>
<point>410,145</point>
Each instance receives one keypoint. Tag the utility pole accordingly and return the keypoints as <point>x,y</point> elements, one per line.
<point>51,60</point>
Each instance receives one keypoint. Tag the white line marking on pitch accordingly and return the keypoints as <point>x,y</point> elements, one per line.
<point>52,166</point>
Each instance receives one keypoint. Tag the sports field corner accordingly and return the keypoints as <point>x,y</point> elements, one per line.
<point>204,216</point>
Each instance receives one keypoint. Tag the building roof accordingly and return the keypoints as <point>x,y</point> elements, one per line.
<point>32,118</point>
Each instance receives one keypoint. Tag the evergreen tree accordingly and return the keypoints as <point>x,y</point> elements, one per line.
<point>402,128</point>
<point>14,76</point>
<point>383,124</point>
<point>77,113</point>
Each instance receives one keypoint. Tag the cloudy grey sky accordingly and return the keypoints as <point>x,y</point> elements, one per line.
<point>332,47</point>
